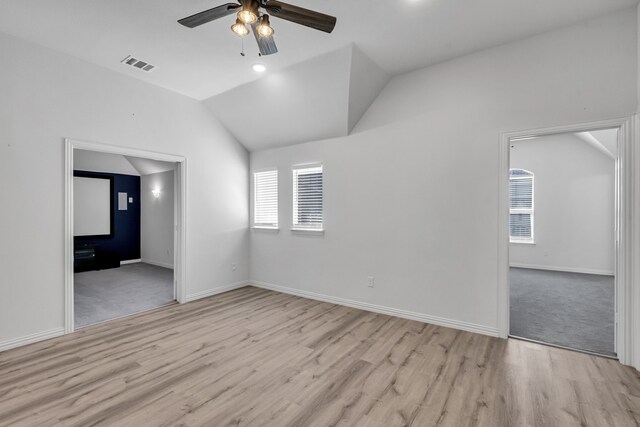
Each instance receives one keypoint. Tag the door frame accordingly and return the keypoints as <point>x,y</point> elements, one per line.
<point>626,163</point>
<point>180,209</point>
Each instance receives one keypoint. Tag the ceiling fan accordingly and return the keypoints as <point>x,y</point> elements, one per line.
<point>248,13</point>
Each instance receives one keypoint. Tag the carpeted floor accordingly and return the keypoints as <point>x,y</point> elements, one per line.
<point>107,294</point>
<point>568,309</point>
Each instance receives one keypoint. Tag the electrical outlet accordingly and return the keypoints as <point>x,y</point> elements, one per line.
<point>234,266</point>
<point>545,253</point>
<point>370,281</point>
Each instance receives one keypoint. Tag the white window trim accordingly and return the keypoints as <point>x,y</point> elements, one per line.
<point>525,240</point>
<point>298,228</point>
<point>261,228</point>
<point>265,226</point>
<point>308,230</point>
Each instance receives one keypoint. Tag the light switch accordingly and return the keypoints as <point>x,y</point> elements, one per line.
<point>122,201</point>
<point>130,199</point>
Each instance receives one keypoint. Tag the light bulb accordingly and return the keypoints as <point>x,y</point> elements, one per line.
<point>239,28</point>
<point>247,16</point>
<point>259,68</point>
<point>264,29</point>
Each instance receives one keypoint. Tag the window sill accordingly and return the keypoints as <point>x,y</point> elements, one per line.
<point>516,242</point>
<point>269,229</point>
<point>308,231</point>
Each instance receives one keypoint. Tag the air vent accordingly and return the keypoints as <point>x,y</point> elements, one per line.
<point>140,65</point>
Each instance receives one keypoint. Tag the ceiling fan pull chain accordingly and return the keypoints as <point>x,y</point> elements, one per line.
<point>242,51</point>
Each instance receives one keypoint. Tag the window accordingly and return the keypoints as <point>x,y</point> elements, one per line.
<point>307,197</point>
<point>265,199</point>
<point>520,206</point>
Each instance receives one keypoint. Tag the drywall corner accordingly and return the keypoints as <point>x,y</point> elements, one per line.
<point>366,81</point>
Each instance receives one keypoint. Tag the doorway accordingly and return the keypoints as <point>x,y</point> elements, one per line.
<point>563,245</point>
<point>124,232</point>
<point>561,239</point>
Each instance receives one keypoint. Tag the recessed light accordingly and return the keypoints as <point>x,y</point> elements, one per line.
<point>259,68</point>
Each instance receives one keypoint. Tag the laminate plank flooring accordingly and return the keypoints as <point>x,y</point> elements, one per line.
<point>253,357</point>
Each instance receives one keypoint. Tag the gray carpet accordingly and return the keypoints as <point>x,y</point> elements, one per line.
<point>568,309</point>
<point>107,294</point>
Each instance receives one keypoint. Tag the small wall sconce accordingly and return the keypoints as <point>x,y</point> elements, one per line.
<point>156,193</point>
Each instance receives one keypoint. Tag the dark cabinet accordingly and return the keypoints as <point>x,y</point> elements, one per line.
<point>89,257</point>
<point>84,258</point>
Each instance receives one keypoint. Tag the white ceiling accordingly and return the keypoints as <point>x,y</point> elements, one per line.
<point>398,35</point>
<point>284,108</point>
<point>608,138</point>
<point>606,141</point>
<point>149,166</point>
<point>94,161</point>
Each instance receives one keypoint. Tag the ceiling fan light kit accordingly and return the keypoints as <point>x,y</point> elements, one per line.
<point>249,14</point>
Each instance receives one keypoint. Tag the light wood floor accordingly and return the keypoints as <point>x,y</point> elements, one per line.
<point>260,358</point>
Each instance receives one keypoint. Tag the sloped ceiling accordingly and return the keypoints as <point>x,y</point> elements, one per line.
<point>148,166</point>
<point>366,81</point>
<point>399,35</point>
<point>317,99</point>
<point>115,163</point>
<point>102,162</point>
<point>605,141</point>
<point>608,138</point>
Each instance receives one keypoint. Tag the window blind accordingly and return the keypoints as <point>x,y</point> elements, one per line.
<point>520,205</point>
<point>307,197</point>
<point>265,203</point>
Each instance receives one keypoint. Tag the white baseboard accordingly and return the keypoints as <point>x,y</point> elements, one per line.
<point>130,261</point>
<point>30,339</point>
<point>159,264</point>
<point>420,317</point>
<point>211,292</point>
<point>565,269</point>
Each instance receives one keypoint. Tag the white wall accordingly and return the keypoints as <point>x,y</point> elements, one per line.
<point>157,219</point>
<point>47,96</point>
<point>574,187</point>
<point>412,194</point>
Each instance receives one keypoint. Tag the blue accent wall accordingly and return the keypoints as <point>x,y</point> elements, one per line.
<point>125,240</point>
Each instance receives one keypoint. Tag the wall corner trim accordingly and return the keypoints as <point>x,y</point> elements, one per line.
<point>420,317</point>
<point>216,291</point>
<point>32,338</point>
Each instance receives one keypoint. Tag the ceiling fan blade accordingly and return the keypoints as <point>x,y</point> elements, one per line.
<point>301,16</point>
<point>266,44</point>
<point>209,15</point>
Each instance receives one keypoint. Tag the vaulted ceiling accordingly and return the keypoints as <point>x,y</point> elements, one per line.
<point>605,141</point>
<point>94,161</point>
<point>321,98</point>
<point>398,35</point>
